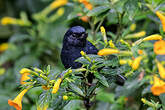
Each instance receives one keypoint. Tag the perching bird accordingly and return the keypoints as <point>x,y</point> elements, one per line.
<point>75,41</point>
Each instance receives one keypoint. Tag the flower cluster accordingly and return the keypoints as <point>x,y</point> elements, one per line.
<point>28,81</point>
<point>134,62</point>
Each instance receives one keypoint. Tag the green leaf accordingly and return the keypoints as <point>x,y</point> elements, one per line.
<point>131,7</point>
<point>25,61</point>
<point>48,69</point>
<point>101,79</point>
<point>11,54</point>
<point>146,90</point>
<point>76,89</point>
<point>34,92</point>
<point>98,10</point>
<point>74,105</point>
<point>72,15</point>
<point>106,97</point>
<point>82,60</point>
<point>19,38</point>
<point>162,98</point>
<point>44,99</point>
<point>58,103</point>
<point>99,2</point>
<point>91,89</point>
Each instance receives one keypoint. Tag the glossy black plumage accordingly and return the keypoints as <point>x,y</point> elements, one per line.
<point>72,46</point>
<point>73,43</point>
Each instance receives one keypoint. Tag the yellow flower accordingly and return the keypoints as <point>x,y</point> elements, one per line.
<point>161,70</point>
<point>147,102</point>
<point>58,3</point>
<point>3,47</point>
<point>143,100</point>
<point>56,85</point>
<point>8,20</point>
<point>136,35</point>
<point>162,19</point>
<point>108,51</point>
<point>159,47</point>
<point>102,30</point>
<point>70,71</point>
<point>65,97</point>
<point>111,44</point>
<point>153,37</point>
<point>43,107</point>
<point>158,86</point>
<point>130,62</point>
<point>25,70</point>
<point>17,102</point>
<point>82,53</point>
<point>122,62</point>
<point>2,71</point>
<point>85,56</point>
<point>24,77</point>
<point>136,62</point>
<point>133,27</point>
<point>125,61</point>
<point>60,11</point>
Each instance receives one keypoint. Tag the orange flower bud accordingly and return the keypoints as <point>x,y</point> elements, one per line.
<point>136,62</point>
<point>45,87</point>
<point>58,3</point>
<point>161,70</point>
<point>108,51</point>
<point>140,52</point>
<point>56,85</point>
<point>25,70</point>
<point>162,19</point>
<point>153,37</point>
<point>84,18</point>
<point>122,62</point>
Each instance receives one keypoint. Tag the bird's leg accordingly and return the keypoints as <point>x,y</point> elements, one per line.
<point>87,104</point>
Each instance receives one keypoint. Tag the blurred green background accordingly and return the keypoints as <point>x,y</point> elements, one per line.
<point>39,45</point>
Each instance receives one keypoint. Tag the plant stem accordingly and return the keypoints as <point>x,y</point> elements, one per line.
<point>119,29</point>
<point>100,23</point>
<point>92,25</point>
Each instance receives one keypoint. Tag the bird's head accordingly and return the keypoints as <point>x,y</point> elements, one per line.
<point>75,36</point>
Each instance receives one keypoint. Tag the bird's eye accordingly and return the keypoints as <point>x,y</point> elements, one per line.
<point>74,35</point>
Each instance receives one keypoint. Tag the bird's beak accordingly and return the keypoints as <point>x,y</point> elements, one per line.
<point>84,36</point>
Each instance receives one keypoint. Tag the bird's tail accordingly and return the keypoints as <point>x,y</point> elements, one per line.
<point>120,80</point>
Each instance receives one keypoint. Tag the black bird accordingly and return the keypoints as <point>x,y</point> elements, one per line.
<point>75,41</point>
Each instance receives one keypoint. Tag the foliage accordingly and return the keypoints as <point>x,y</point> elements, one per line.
<point>129,34</point>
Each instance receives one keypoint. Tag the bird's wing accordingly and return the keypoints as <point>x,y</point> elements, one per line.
<point>90,48</point>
